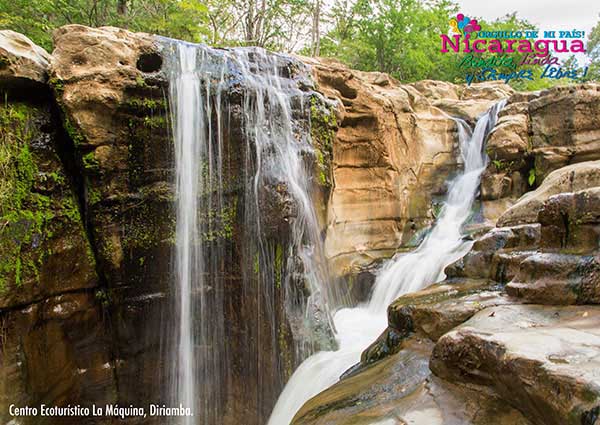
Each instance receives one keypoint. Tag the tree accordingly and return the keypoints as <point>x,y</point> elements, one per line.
<point>185,19</point>
<point>593,54</point>
<point>400,37</point>
<point>316,29</point>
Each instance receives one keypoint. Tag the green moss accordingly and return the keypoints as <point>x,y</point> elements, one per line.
<point>323,125</point>
<point>140,82</point>
<point>90,162</point>
<point>18,280</point>
<point>70,210</point>
<point>284,350</point>
<point>103,297</point>
<point>55,177</point>
<point>256,264</point>
<point>146,104</point>
<point>25,215</point>
<point>220,223</point>
<point>93,195</point>
<point>278,265</point>
<point>57,85</point>
<point>73,133</point>
<point>157,121</point>
<point>146,227</point>
<point>16,166</point>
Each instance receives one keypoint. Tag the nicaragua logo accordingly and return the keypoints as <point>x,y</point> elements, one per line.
<point>490,55</point>
<point>463,25</point>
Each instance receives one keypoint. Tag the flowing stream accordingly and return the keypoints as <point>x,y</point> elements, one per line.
<point>358,327</point>
<point>241,133</point>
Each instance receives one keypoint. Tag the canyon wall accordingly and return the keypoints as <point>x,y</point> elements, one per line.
<point>394,150</point>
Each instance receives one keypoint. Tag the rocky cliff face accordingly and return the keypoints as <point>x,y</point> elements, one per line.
<point>536,134</point>
<point>394,149</point>
<point>90,232</point>
<point>55,340</point>
<point>115,114</point>
<point>512,329</point>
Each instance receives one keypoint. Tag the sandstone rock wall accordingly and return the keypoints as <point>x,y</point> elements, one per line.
<point>55,345</point>
<point>87,246</point>
<point>115,114</point>
<point>537,133</point>
<point>395,147</point>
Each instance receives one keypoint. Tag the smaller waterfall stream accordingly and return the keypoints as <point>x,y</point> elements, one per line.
<point>360,326</point>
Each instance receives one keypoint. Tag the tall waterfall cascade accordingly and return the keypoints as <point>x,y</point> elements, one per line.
<point>240,121</point>
<point>358,327</point>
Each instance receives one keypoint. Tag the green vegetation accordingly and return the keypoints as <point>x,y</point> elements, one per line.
<point>23,213</point>
<point>220,223</point>
<point>503,165</point>
<point>399,37</point>
<point>103,297</point>
<point>157,121</point>
<point>593,53</point>
<point>145,104</point>
<point>531,177</point>
<point>323,125</point>
<point>29,216</point>
<point>278,265</point>
<point>17,172</point>
<point>90,162</point>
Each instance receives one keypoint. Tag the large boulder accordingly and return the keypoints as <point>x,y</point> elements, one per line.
<point>432,312</point>
<point>401,389</point>
<point>542,360</point>
<point>567,179</point>
<point>22,62</point>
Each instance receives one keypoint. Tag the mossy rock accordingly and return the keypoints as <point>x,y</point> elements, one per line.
<point>44,249</point>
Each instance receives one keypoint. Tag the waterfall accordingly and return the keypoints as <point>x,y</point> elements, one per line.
<point>358,327</point>
<point>198,170</point>
<point>249,268</point>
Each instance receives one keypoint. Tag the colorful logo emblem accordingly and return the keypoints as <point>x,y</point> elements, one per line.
<point>464,25</point>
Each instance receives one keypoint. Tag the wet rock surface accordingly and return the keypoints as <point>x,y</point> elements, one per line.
<point>541,359</point>
<point>402,390</point>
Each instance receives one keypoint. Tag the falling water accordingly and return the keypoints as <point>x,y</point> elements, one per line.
<point>190,109</point>
<point>358,327</point>
<point>242,152</point>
